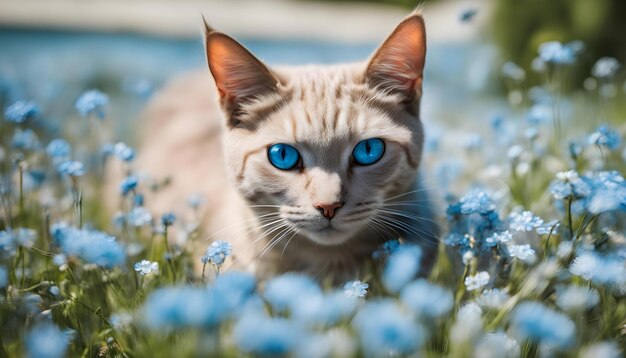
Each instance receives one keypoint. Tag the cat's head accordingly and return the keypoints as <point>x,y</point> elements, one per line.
<point>325,146</point>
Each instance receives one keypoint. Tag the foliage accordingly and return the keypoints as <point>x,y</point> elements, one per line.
<point>520,26</point>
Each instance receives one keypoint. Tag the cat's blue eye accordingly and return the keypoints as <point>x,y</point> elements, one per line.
<point>369,151</point>
<point>283,156</point>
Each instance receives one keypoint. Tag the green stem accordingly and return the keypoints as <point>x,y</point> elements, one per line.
<point>169,255</point>
<point>21,215</point>
<point>460,292</point>
<point>569,218</point>
<point>546,245</point>
<point>23,261</point>
<point>97,312</point>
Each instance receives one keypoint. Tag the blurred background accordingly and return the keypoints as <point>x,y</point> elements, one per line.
<point>53,50</point>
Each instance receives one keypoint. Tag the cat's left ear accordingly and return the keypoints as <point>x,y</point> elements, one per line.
<point>398,64</point>
<point>240,77</point>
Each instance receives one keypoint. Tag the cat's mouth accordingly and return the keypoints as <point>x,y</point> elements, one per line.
<point>328,232</point>
<point>330,235</point>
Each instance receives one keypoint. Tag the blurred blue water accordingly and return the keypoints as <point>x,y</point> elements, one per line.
<point>54,67</point>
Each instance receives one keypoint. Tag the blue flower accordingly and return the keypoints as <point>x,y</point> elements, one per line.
<point>54,290</point>
<point>123,152</point>
<point>512,71</point>
<point>46,340</point>
<point>20,111</point>
<point>525,221</point>
<point>7,242</point>
<point>265,336</point>
<point>385,330</point>
<point>129,184</point>
<point>557,53</point>
<point>609,192</point>
<point>195,200</point>
<point>532,320</point>
<point>59,149</point>
<point>467,15</point>
<point>180,307</point>
<point>235,289</point>
<point>92,102</point>
<point>25,139</point>
<point>284,292</point>
<point>576,298</point>
<point>356,289</point>
<point>468,324</point>
<point>107,150</point>
<point>605,67</point>
<point>549,227</point>
<point>493,298</point>
<point>538,114</point>
<point>498,238</point>
<point>605,349</point>
<point>386,249</point>
<point>145,267</point>
<point>323,309</point>
<point>427,299</point>
<point>216,253</point>
<point>605,200</point>
<point>497,345</point>
<point>139,199</point>
<point>59,259</point>
<point>606,137</point>
<point>139,216</point>
<point>477,281</point>
<point>522,252</point>
<point>90,245</point>
<point>603,270</point>
<point>402,267</point>
<point>120,321</point>
<point>569,185</point>
<point>20,237</point>
<point>476,201</point>
<point>168,219</point>
<point>472,142</point>
<point>71,168</point>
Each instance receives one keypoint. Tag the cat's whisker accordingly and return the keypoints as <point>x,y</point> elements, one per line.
<point>407,214</point>
<point>287,244</point>
<point>251,222</point>
<point>268,232</point>
<point>421,228</point>
<point>410,192</point>
<point>265,206</point>
<point>274,242</point>
<point>404,227</point>
<point>373,225</point>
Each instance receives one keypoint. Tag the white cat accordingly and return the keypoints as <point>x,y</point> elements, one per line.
<point>306,168</point>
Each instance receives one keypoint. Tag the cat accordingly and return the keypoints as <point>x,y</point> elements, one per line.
<point>304,169</point>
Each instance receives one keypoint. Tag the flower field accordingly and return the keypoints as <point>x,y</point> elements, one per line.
<point>531,262</point>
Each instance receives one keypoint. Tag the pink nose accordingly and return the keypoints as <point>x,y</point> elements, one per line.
<point>328,210</point>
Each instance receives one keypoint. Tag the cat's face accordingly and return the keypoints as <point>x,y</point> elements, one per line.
<point>323,146</point>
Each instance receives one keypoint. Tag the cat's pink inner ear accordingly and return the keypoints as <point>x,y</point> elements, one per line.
<point>239,75</point>
<point>398,65</point>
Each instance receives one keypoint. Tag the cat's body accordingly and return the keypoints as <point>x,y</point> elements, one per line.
<point>327,212</point>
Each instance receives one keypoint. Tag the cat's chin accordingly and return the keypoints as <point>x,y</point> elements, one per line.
<point>329,236</point>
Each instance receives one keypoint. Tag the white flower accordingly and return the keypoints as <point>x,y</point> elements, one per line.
<point>477,281</point>
<point>522,252</point>
<point>146,267</point>
<point>526,221</point>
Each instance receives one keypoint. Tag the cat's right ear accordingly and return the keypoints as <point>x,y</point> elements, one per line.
<point>397,66</point>
<point>240,77</point>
